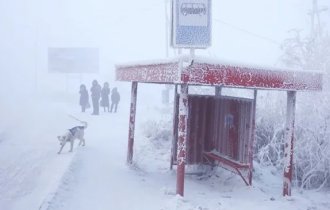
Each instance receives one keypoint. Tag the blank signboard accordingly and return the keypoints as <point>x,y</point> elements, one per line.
<point>73,60</point>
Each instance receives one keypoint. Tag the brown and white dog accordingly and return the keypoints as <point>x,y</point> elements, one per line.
<point>71,135</point>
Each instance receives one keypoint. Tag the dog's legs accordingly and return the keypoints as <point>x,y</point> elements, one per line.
<point>63,143</point>
<point>71,145</point>
<point>81,142</point>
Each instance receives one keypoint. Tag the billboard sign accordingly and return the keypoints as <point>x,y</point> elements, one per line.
<point>191,23</point>
<point>73,60</point>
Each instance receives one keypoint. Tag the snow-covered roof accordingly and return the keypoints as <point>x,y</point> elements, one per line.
<point>204,71</point>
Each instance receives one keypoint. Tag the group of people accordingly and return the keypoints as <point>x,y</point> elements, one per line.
<point>97,93</point>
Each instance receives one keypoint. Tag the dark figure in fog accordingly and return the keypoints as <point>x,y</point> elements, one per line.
<point>95,94</point>
<point>84,99</point>
<point>115,98</point>
<point>105,92</point>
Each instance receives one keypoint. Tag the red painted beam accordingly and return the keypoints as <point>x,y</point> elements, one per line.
<point>220,74</point>
<point>154,73</point>
<point>203,73</point>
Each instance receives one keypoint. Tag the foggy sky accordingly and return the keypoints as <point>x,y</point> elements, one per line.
<point>243,31</point>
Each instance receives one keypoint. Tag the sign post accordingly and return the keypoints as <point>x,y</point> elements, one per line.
<point>191,29</point>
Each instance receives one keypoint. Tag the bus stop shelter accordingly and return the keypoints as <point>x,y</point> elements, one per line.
<point>217,129</point>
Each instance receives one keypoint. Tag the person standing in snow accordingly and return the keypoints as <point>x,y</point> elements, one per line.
<point>84,99</point>
<point>115,98</point>
<point>105,92</point>
<point>95,94</point>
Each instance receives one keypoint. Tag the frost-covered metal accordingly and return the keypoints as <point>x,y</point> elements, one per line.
<point>201,72</point>
<point>131,123</point>
<point>288,142</point>
<point>246,77</point>
<point>219,131</point>
<point>175,127</point>
<point>182,138</point>
<point>253,134</point>
<point>155,73</point>
<point>237,152</point>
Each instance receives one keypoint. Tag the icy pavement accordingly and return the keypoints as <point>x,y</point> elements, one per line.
<point>95,177</point>
<point>99,177</point>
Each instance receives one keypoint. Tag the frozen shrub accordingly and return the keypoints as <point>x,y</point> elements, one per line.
<point>270,122</point>
<point>158,130</point>
<point>312,126</point>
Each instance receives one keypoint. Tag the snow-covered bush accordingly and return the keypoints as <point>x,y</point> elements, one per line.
<point>312,155</point>
<point>312,142</point>
<point>312,133</point>
<point>269,143</point>
<point>312,159</point>
<point>157,125</point>
<point>158,130</point>
<point>270,128</point>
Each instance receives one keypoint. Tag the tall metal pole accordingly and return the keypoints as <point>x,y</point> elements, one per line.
<point>166,28</point>
<point>288,142</point>
<point>131,123</point>
<point>182,139</point>
<point>182,129</point>
<point>316,11</point>
<point>217,90</point>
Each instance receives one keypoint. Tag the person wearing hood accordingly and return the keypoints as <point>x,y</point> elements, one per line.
<point>105,92</point>
<point>95,95</point>
<point>115,98</point>
<point>84,99</point>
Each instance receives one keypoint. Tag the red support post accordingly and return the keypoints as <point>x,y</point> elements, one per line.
<point>288,143</point>
<point>175,126</point>
<point>132,123</point>
<point>182,139</point>
<point>253,136</point>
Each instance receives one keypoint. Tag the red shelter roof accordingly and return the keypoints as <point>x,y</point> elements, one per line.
<point>206,72</point>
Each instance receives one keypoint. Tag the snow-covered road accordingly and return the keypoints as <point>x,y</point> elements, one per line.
<point>99,178</point>
<point>96,177</point>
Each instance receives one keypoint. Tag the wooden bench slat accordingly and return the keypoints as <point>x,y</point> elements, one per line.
<point>226,160</point>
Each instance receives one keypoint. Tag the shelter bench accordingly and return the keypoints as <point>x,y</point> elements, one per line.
<point>226,162</point>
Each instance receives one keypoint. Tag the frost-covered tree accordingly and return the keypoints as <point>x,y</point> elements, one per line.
<point>310,53</point>
<point>312,145</point>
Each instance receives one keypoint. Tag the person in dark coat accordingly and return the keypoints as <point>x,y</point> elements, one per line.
<point>95,94</point>
<point>115,98</point>
<point>105,92</point>
<point>84,99</point>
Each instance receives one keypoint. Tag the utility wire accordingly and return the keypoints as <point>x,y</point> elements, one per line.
<point>248,32</point>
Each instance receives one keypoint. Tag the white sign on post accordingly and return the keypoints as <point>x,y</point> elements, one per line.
<point>191,23</point>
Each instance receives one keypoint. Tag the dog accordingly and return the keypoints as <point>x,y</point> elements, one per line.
<point>71,135</point>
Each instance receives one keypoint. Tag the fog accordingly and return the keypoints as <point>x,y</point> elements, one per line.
<point>243,31</point>
<point>37,104</point>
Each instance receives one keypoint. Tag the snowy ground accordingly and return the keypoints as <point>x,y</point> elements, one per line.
<point>33,176</point>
